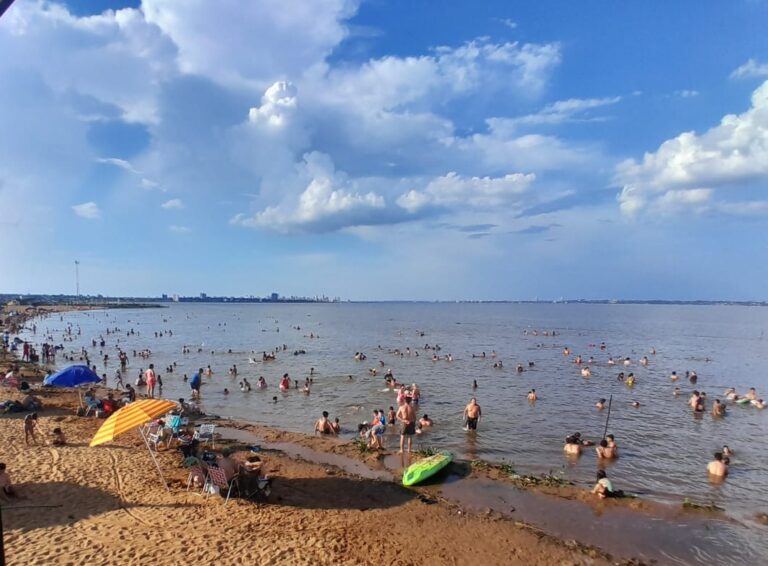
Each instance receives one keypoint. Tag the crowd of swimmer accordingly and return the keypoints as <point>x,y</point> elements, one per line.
<point>406,414</point>
<point>607,448</point>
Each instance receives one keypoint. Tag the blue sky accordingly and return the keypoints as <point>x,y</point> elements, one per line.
<point>386,150</point>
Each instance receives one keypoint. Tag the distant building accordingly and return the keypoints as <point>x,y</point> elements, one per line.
<point>164,296</point>
<point>175,298</point>
<point>203,296</point>
<point>274,297</point>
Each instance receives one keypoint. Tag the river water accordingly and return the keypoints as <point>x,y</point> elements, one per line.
<point>664,446</point>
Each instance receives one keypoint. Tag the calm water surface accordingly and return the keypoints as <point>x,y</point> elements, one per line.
<point>664,447</point>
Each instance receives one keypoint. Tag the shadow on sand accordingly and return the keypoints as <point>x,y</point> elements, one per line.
<point>338,493</point>
<point>43,505</point>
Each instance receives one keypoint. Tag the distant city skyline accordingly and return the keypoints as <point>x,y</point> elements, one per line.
<point>385,150</point>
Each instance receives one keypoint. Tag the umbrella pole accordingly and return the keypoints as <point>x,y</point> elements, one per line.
<point>157,464</point>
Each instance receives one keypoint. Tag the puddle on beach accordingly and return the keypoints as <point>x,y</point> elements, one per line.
<point>297,451</point>
<point>683,539</point>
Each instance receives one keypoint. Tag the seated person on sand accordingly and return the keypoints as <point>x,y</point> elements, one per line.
<point>58,437</point>
<point>606,452</point>
<point>109,405</point>
<point>604,488</point>
<point>323,425</point>
<point>31,403</point>
<point>91,401</point>
<point>6,489</point>
<point>717,467</point>
<point>228,465</point>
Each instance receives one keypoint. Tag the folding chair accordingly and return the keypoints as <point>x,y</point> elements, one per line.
<point>195,471</point>
<point>154,440</point>
<point>205,434</point>
<point>217,477</point>
<point>173,424</point>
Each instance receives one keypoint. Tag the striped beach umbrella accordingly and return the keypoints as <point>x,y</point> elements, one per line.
<point>132,417</point>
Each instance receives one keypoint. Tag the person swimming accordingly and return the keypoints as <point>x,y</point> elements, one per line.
<point>532,395</point>
<point>572,445</point>
<point>604,451</point>
<point>600,404</point>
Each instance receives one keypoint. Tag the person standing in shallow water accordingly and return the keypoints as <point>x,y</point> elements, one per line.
<point>151,378</point>
<point>472,414</point>
<point>406,416</point>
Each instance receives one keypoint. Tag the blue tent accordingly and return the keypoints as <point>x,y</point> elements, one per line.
<point>72,377</point>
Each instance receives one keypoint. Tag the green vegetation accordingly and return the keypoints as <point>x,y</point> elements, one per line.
<point>426,451</point>
<point>688,504</point>
<point>546,480</point>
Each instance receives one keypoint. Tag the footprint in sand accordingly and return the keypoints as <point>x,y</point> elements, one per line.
<point>55,471</point>
<point>119,484</point>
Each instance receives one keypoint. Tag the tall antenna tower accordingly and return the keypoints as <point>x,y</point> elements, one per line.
<point>77,277</point>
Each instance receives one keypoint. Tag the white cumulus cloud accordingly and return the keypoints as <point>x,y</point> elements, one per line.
<point>254,42</point>
<point>480,192</point>
<point>173,203</point>
<point>89,210</point>
<point>327,202</point>
<point>731,154</point>
<point>751,69</point>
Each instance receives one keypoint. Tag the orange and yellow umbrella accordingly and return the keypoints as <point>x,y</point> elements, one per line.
<point>130,417</point>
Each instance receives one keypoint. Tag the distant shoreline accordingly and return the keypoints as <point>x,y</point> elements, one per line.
<point>154,302</point>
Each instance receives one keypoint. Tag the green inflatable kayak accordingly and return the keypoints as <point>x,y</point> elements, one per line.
<point>428,467</point>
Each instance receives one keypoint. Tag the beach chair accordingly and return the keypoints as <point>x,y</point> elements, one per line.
<point>217,477</point>
<point>154,440</point>
<point>195,471</point>
<point>205,434</point>
<point>173,424</point>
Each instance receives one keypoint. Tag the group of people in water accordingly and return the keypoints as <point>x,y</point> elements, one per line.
<point>405,413</point>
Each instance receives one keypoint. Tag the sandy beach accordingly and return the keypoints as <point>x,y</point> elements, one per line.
<point>110,508</point>
<point>107,505</point>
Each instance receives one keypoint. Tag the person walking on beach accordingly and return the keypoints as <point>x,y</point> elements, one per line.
<point>151,378</point>
<point>406,416</point>
<point>472,414</point>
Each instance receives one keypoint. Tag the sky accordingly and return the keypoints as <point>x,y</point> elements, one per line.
<point>386,150</point>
